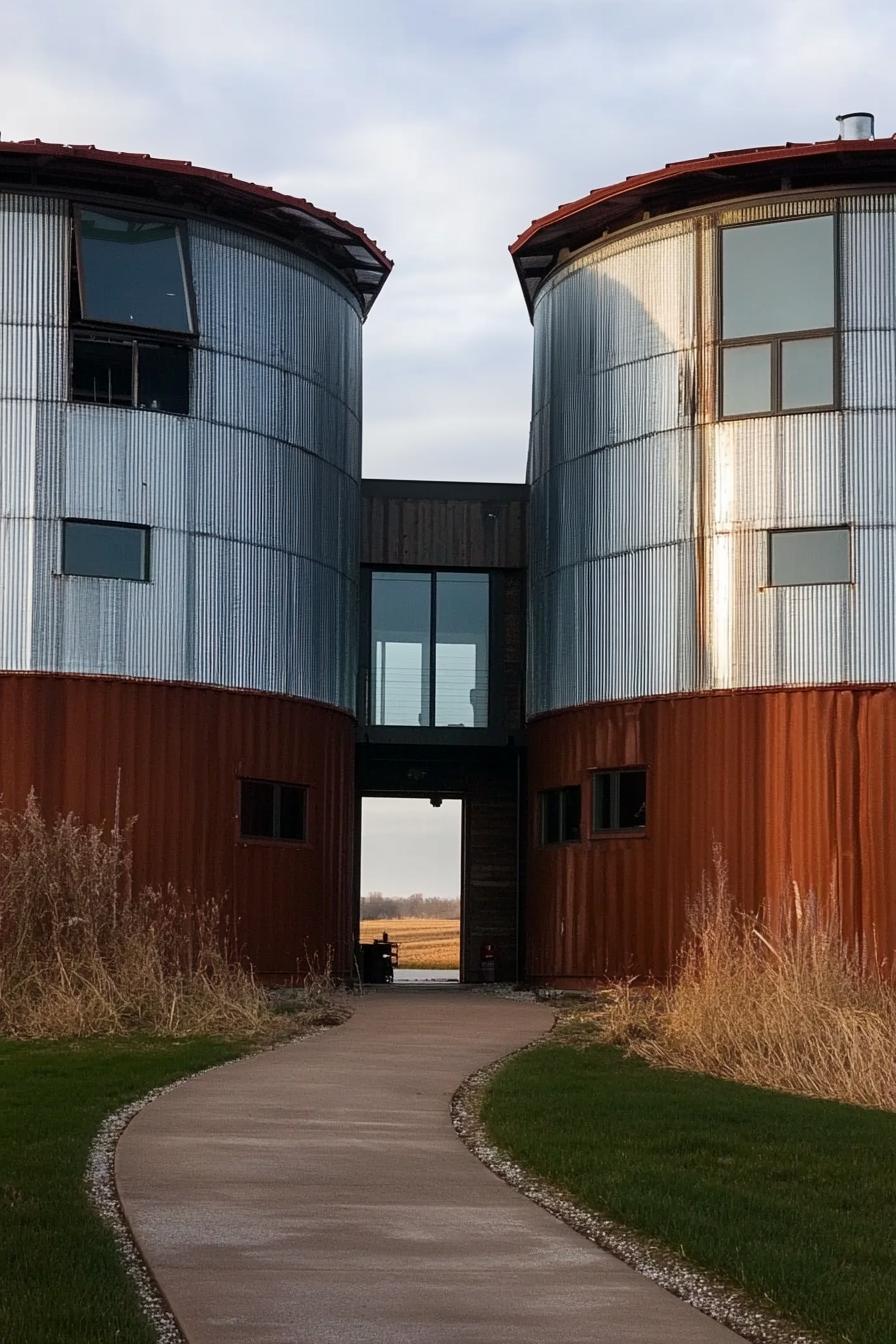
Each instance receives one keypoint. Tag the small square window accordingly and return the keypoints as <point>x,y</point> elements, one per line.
<point>807,373</point>
<point>105,550</point>
<point>746,379</point>
<point>561,815</point>
<point>270,810</point>
<point>809,555</point>
<point>618,800</point>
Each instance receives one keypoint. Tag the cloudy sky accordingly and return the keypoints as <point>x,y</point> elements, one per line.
<point>442,129</point>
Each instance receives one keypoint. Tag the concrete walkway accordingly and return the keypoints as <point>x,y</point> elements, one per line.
<point>317,1194</point>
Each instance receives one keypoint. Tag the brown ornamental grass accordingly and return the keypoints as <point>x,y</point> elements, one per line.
<point>84,954</point>
<point>780,999</point>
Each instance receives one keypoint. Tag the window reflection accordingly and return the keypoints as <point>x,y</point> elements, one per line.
<point>131,272</point>
<point>425,623</point>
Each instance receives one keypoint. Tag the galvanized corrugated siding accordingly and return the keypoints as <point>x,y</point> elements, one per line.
<point>795,785</point>
<point>648,545</point>
<point>172,756</point>
<point>253,499</point>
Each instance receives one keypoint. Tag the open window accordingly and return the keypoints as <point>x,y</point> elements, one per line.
<point>133,317</point>
<point>778,317</point>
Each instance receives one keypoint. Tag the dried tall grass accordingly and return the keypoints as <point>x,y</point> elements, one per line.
<point>82,954</point>
<point>776,1000</point>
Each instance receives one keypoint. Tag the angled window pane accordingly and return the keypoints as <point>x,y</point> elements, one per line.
<point>257,808</point>
<point>131,272</point>
<point>163,378</point>
<point>102,372</point>
<point>778,277</point>
<point>400,647</point>
<point>105,550</point>
<point>810,556</point>
<point>462,621</point>
<point>807,373</point>
<point>746,379</point>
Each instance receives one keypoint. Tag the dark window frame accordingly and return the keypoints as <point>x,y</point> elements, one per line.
<point>777,339</point>
<point>614,773</point>
<point>136,344</point>
<point>145,528</point>
<point>278,785</point>
<point>561,793</point>
<point>371,571</point>
<point>82,328</point>
<point>148,216</point>
<point>810,583</point>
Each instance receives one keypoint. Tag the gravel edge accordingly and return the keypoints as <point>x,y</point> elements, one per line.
<point>709,1294</point>
<point>99,1178</point>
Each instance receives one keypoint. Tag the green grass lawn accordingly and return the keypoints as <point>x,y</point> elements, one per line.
<point>790,1198</point>
<point>60,1278</point>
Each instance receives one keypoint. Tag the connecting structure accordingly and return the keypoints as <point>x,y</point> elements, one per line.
<point>208,621</point>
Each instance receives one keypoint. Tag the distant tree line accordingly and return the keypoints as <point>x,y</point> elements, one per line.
<point>377,906</point>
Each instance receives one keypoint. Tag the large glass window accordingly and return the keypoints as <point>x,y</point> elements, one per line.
<point>778,316</point>
<point>401,624</point>
<point>809,555</point>
<point>105,550</point>
<point>462,619</point>
<point>429,649</point>
<point>131,272</point>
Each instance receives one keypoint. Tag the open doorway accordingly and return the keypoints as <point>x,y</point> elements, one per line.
<point>411,865</point>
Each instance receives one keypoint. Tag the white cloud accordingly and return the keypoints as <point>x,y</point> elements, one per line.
<point>442,130</point>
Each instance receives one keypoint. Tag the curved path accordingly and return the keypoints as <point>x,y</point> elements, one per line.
<point>317,1194</point>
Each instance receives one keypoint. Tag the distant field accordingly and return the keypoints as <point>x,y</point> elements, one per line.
<point>424,944</point>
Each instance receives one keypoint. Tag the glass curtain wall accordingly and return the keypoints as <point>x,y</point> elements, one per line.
<point>429,649</point>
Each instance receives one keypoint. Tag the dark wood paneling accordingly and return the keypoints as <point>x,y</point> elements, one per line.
<point>171,756</point>
<point>794,785</point>
<point>443,532</point>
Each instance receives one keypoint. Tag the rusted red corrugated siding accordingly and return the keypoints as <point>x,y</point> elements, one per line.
<point>179,752</point>
<point>795,785</point>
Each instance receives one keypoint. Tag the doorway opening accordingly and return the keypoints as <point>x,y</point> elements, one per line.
<point>411,883</point>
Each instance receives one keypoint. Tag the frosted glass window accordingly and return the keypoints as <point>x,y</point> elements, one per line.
<point>778,277</point>
<point>807,372</point>
<point>105,550</point>
<point>746,379</point>
<point>810,555</point>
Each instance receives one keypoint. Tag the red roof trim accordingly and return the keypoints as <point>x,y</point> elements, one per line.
<point>733,158</point>
<point>184,169</point>
<point>546,235</point>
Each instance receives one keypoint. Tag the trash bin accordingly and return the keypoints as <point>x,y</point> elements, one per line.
<point>378,960</point>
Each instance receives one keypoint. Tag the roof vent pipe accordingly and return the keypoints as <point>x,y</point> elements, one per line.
<point>856,126</point>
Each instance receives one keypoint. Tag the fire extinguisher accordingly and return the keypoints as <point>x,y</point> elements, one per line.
<point>487,964</point>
